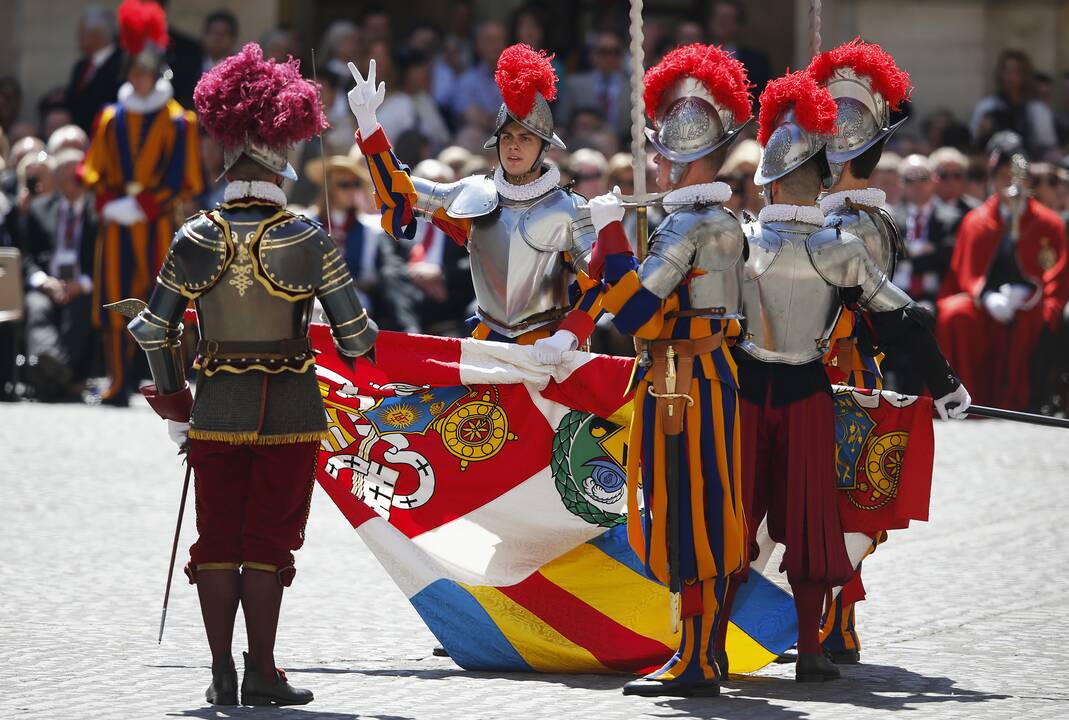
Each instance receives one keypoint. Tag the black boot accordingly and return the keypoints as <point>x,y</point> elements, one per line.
<point>844,657</point>
<point>440,651</point>
<point>647,687</point>
<point>814,667</point>
<point>722,663</point>
<point>259,690</point>
<point>224,687</point>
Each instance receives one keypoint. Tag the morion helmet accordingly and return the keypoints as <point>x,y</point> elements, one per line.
<point>698,99</point>
<point>797,118</point>
<point>258,108</point>
<point>866,84</point>
<point>528,83</point>
<point>143,34</point>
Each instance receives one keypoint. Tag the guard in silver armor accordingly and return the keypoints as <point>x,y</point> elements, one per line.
<point>253,271</point>
<point>529,238</point>
<point>683,301</point>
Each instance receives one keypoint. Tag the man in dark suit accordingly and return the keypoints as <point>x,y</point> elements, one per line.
<point>726,18</point>
<point>58,248</point>
<point>604,89</point>
<point>185,58</point>
<point>96,77</point>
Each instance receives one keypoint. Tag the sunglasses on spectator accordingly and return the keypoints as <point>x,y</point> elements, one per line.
<point>950,174</point>
<point>347,184</point>
<point>587,177</point>
<point>607,50</point>
<point>908,180</point>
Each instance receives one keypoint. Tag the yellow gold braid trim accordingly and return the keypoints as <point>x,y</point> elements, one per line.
<point>256,368</point>
<point>218,566</point>
<point>260,566</point>
<point>254,438</point>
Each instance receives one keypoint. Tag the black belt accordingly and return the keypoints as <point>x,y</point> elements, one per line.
<point>276,349</point>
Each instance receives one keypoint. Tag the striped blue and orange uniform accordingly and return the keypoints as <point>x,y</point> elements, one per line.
<point>712,535</point>
<point>153,157</point>
<point>396,197</point>
<point>846,365</point>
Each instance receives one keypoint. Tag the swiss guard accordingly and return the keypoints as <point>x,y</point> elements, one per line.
<point>142,164</point>
<point>683,302</point>
<point>254,270</point>
<point>867,85</point>
<point>528,237</point>
<point>799,277</point>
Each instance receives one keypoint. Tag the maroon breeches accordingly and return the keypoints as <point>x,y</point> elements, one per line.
<point>788,471</point>
<point>252,502</point>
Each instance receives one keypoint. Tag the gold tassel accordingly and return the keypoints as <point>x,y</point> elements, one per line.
<point>253,438</point>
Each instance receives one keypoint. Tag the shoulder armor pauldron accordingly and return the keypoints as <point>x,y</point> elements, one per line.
<point>199,255</point>
<point>714,233</point>
<point>470,197</point>
<point>764,246</point>
<point>547,224</point>
<point>290,251</point>
<point>839,257</point>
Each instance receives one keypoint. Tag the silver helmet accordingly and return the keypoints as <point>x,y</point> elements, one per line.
<point>788,148</point>
<point>689,124</point>
<point>267,157</point>
<point>863,116</point>
<point>539,121</point>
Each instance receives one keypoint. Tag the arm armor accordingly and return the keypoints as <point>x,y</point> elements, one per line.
<point>582,234</point>
<point>842,260</point>
<point>710,240</point>
<point>354,332</point>
<point>471,197</point>
<point>158,330</point>
<point>910,328</point>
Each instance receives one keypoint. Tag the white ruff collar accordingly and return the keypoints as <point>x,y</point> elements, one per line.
<point>873,197</point>
<point>543,184</point>
<point>259,189</point>
<point>708,193</point>
<point>808,214</point>
<point>155,100</point>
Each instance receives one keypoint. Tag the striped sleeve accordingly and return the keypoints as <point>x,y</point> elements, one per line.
<point>636,311</point>
<point>586,309</point>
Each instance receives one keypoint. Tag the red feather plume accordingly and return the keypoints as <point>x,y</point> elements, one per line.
<point>264,101</point>
<point>814,107</point>
<point>521,71</point>
<point>141,22</point>
<point>869,59</point>
<point>721,74</point>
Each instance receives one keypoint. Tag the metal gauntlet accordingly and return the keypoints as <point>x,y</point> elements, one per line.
<point>158,330</point>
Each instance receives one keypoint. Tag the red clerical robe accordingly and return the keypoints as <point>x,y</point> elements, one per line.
<point>992,358</point>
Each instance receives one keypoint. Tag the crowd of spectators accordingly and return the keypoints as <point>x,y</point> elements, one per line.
<point>440,107</point>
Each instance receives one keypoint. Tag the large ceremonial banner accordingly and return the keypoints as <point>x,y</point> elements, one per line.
<point>492,490</point>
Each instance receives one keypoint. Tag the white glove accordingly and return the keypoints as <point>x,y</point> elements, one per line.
<point>1017,293</point>
<point>124,211</point>
<point>178,432</point>
<point>961,397</point>
<point>606,209</point>
<point>550,350</point>
<point>998,306</point>
<point>365,98</point>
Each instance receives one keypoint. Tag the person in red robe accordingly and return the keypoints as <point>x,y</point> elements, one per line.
<point>1002,291</point>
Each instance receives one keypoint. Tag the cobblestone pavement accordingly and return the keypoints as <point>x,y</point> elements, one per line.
<point>966,616</point>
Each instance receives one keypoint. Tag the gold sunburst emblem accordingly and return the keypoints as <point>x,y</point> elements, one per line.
<point>475,430</point>
<point>883,471</point>
<point>400,417</point>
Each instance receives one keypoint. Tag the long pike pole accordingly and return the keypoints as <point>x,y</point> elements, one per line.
<point>174,550</point>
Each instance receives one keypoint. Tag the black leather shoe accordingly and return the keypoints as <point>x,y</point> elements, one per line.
<point>224,687</point>
<point>645,687</point>
<point>259,690</point>
<point>844,657</point>
<point>814,667</point>
<point>439,651</point>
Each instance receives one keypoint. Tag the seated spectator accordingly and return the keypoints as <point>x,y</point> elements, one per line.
<point>68,136</point>
<point>58,254</point>
<point>409,105</point>
<point>529,27</point>
<point>605,89</point>
<point>281,43</point>
<point>1043,181</point>
<point>477,98</point>
<point>885,177</point>
<point>1005,289</point>
<point>10,104</point>
<point>440,269</point>
<point>371,256</point>
<point>52,112</point>
<point>726,18</point>
<point>950,173</point>
<point>219,36</point>
<point>455,157</point>
<point>589,171</point>
<point>738,172</point>
<point>1014,106</point>
<point>927,233</point>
